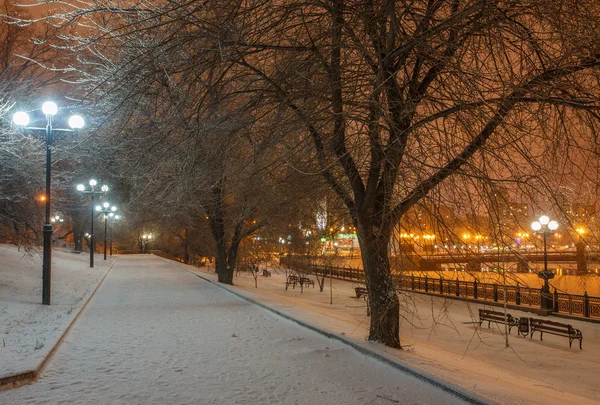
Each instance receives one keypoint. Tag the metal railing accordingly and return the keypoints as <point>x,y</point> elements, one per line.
<point>572,304</point>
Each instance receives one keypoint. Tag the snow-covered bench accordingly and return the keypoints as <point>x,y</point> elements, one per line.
<point>361,292</point>
<point>555,328</point>
<point>307,281</point>
<point>489,316</point>
<point>291,280</point>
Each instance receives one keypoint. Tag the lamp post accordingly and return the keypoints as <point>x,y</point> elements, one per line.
<point>115,218</point>
<point>145,240</point>
<point>92,192</point>
<point>105,209</point>
<point>21,119</point>
<point>544,226</point>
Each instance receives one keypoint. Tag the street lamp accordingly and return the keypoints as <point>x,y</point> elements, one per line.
<point>544,226</point>
<point>21,119</point>
<point>145,240</point>
<point>57,218</point>
<point>105,209</point>
<point>92,191</point>
<point>114,218</point>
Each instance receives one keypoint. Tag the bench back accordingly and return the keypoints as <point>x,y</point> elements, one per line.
<point>543,324</point>
<point>487,313</point>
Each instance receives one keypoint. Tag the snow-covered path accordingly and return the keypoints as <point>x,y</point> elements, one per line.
<point>154,334</point>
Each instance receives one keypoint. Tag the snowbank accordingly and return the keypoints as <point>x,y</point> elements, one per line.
<point>440,338</point>
<point>28,329</point>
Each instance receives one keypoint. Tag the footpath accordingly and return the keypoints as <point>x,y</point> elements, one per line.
<point>442,338</point>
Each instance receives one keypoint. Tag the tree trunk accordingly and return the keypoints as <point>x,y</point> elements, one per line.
<point>223,271</point>
<point>186,253</point>
<point>383,300</point>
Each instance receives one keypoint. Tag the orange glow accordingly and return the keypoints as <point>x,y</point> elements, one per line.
<point>42,198</point>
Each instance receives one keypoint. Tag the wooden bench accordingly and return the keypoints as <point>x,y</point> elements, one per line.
<point>555,328</point>
<point>489,316</point>
<point>361,292</point>
<point>266,273</point>
<point>306,281</point>
<point>291,280</point>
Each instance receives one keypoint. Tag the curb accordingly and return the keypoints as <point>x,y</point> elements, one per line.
<point>29,376</point>
<point>375,354</point>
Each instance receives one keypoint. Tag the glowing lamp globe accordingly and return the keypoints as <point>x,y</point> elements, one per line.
<point>21,118</point>
<point>80,187</point>
<point>76,122</point>
<point>553,225</point>
<point>104,188</point>
<point>93,182</point>
<point>544,220</point>
<point>536,226</point>
<point>49,108</point>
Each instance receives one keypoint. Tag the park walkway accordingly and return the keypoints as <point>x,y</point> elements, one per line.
<point>155,334</point>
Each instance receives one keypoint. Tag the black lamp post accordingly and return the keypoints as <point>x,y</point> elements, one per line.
<point>21,119</point>
<point>544,226</point>
<point>92,192</point>
<point>105,209</point>
<point>114,217</point>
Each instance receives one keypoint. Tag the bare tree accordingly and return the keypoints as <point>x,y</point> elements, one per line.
<point>395,98</point>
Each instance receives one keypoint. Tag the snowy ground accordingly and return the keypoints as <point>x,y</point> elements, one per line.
<point>440,339</point>
<point>28,330</point>
<point>154,334</point>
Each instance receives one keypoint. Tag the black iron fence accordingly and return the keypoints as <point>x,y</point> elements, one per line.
<point>572,304</point>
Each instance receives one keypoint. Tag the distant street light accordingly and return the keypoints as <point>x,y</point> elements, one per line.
<point>92,192</point>
<point>57,218</point>
<point>544,226</point>
<point>21,119</point>
<point>145,240</point>
<point>105,209</point>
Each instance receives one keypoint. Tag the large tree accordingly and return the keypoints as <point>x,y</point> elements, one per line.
<point>395,97</point>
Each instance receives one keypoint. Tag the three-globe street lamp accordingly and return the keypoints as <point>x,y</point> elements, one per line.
<point>545,227</point>
<point>57,218</point>
<point>114,217</point>
<point>92,192</point>
<point>105,209</point>
<point>145,240</point>
<point>21,119</point>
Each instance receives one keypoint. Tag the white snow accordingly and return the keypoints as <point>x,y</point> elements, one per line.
<point>28,329</point>
<point>154,334</point>
<point>440,339</point>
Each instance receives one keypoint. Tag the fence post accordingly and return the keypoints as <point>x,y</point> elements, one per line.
<point>570,305</point>
<point>426,284</point>
<point>413,281</point>
<point>586,305</point>
<point>495,289</point>
<point>475,289</point>
<point>457,287</point>
<point>555,298</point>
<point>442,285</point>
<point>518,295</point>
